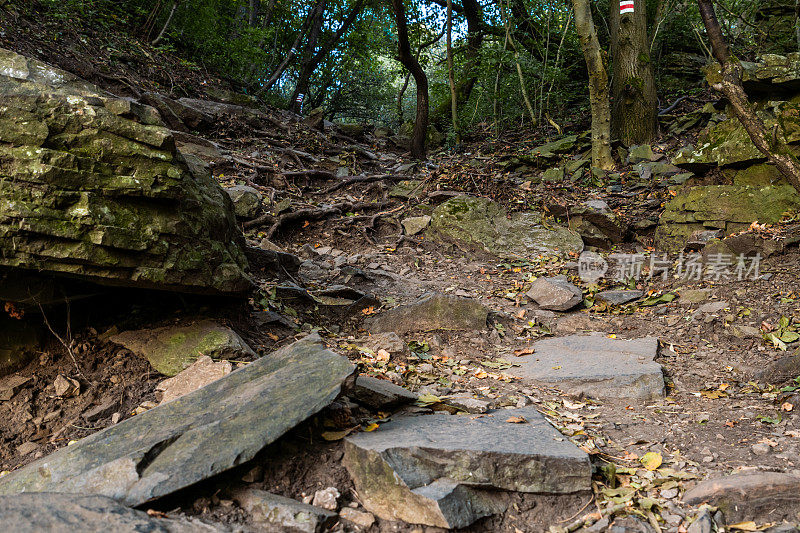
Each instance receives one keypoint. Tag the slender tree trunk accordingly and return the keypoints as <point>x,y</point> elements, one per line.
<point>160,36</point>
<point>420,133</point>
<point>473,12</point>
<point>422,47</point>
<point>293,50</point>
<point>252,12</point>
<point>451,80</point>
<point>598,85</point>
<point>306,64</point>
<point>768,143</point>
<point>634,90</point>
<point>522,87</point>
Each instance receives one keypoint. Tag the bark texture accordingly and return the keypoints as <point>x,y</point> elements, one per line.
<point>598,85</point>
<point>635,105</point>
<point>407,59</point>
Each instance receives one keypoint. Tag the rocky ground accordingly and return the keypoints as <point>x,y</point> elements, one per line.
<point>505,397</point>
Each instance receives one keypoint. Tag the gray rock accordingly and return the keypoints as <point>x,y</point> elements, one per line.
<point>783,369</point>
<point>67,513</point>
<point>415,225</point>
<point>483,223</point>
<point>431,312</point>
<point>281,513</point>
<point>630,524</point>
<point>618,297</point>
<point>391,342</point>
<point>445,471</point>
<point>171,349</point>
<point>596,366</point>
<point>467,404</point>
<point>759,496</point>
<point>712,307</point>
<point>195,436</point>
<point>380,394</point>
<point>642,152</point>
<point>555,294</point>
<point>246,200</point>
<point>359,518</point>
<point>95,190</point>
<point>703,523</point>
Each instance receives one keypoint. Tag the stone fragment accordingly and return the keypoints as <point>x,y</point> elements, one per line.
<point>390,342</point>
<point>712,307</point>
<point>555,294</point>
<point>360,518</point>
<point>89,193</point>
<point>380,394</point>
<point>283,514</point>
<point>326,498</point>
<point>196,436</point>
<point>596,366</point>
<point>483,223</point>
<point>445,471</point>
<point>467,404</point>
<point>759,496</point>
<point>101,411</point>
<point>246,200</point>
<point>171,349</point>
<point>67,513</point>
<point>618,297</point>
<point>66,387</point>
<point>641,152</point>
<point>199,374</point>
<point>415,225</point>
<point>10,385</point>
<point>433,311</point>
<point>693,296</point>
<point>703,523</point>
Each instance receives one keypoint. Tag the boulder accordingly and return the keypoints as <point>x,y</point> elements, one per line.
<point>171,349</point>
<point>730,208</point>
<point>66,513</point>
<point>483,223</point>
<point>642,152</point>
<point>759,496</point>
<point>596,366</point>
<point>449,471</point>
<point>594,221</point>
<point>196,436</point>
<point>89,189</point>
<point>246,200</point>
<point>433,311</point>
<point>618,297</point>
<point>555,294</point>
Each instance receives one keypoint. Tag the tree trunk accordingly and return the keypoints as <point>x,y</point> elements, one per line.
<point>293,50</point>
<point>160,36</point>
<point>598,85</point>
<point>769,144</point>
<point>314,61</point>
<point>450,79</point>
<point>306,65</point>
<point>522,88</point>
<point>420,133</point>
<point>473,12</point>
<point>635,106</point>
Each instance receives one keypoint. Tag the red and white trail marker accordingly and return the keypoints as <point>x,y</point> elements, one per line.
<point>625,6</point>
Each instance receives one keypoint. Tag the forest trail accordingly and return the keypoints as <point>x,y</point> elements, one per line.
<point>425,276</point>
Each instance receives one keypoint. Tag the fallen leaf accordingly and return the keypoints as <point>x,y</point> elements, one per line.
<point>745,526</point>
<point>787,407</point>
<point>371,427</point>
<point>516,420</point>
<point>651,460</point>
<point>524,351</point>
<point>383,355</point>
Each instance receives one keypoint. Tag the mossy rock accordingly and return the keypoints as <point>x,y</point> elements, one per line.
<point>482,222</point>
<point>730,208</point>
<point>171,349</point>
<point>92,187</point>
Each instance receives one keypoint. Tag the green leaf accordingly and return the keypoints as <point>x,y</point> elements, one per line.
<point>790,336</point>
<point>779,344</point>
<point>655,300</point>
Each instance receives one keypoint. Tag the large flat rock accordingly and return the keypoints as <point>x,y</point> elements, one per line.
<point>434,311</point>
<point>195,436</point>
<point>68,513</point>
<point>596,366</point>
<point>448,471</point>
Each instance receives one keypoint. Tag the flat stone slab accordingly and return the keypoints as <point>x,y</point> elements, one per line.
<point>450,470</point>
<point>68,513</point>
<point>759,496</point>
<point>278,513</point>
<point>195,436</point>
<point>431,312</point>
<point>596,366</point>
